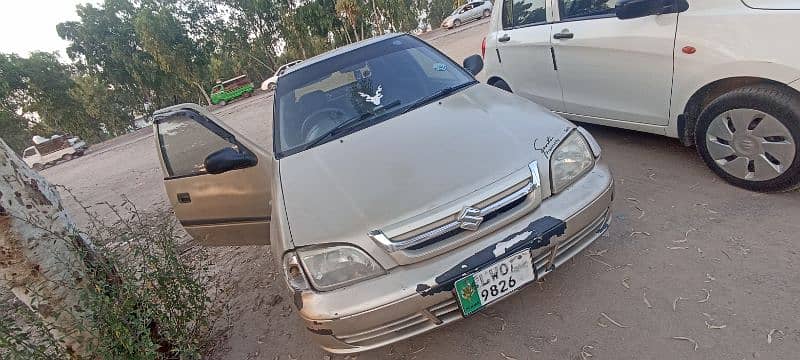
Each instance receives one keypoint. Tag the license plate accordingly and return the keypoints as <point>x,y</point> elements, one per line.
<point>494,282</point>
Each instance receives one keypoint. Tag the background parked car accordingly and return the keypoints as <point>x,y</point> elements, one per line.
<point>231,89</point>
<point>632,64</point>
<point>47,152</point>
<point>468,12</point>
<point>269,84</point>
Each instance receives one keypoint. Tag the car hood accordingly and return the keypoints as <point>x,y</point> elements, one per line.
<point>413,163</point>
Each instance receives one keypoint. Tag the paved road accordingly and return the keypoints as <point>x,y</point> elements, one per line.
<point>729,256</point>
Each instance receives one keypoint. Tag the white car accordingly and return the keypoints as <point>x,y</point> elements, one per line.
<point>723,75</point>
<point>47,152</point>
<point>269,84</point>
<point>470,11</point>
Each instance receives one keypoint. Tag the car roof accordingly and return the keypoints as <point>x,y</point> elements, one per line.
<point>341,50</point>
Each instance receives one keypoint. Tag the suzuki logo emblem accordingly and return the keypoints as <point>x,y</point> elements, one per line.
<point>470,218</point>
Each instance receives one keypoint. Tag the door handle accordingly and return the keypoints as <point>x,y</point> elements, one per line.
<point>184,198</point>
<point>563,35</point>
<point>504,38</point>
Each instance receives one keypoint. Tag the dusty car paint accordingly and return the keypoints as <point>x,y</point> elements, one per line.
<point>401,176</point>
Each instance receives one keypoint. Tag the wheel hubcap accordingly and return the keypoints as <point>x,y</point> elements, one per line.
<point>750,144</point>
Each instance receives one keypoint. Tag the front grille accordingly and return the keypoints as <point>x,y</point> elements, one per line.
<point>457,231</point>
<point>469,218</point>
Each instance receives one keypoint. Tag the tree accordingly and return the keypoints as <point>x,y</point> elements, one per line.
<point>352,11</point>
<point>39,87</point>
<point>440,9</point>
<point>35,266</point>
<point>104,104</point>
<point>166,40</point>
<point>104,43</point>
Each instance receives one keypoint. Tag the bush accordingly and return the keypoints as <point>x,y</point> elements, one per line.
<point>142,297</point>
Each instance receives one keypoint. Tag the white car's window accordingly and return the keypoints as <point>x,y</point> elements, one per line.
<point>366,85</point>
<point>29,152</point>
<point>185,144</point>
<point>517,13</point>
<point>571,9</point>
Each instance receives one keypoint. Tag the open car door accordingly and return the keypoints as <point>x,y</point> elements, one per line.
<point>217,181</point>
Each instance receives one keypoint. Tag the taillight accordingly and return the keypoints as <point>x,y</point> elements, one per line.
<point>483,47</point>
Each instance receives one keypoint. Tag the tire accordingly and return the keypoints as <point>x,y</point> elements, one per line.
<point>248,94</point>
<point>37,167</point>
<point>271,87</point>
<point>66,157</point>
<point>500,84</point>
<point>456,23</point>
<point>222,103</point>
<point>487,13</point>
<point>762,153</point>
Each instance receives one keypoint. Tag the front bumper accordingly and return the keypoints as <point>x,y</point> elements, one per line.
<point>386,309</point>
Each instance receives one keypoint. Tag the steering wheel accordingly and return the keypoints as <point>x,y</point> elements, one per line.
<point>319,121</point>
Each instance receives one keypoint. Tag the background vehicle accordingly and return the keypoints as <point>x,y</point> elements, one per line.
<point>478,187</point>
<point>231,89</point>
<point>468,12</point>
<point>46,152</point>
<point>269,84</point>
<point>632,64</point>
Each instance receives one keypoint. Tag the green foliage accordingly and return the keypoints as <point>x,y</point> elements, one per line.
<point>142,296</point>
<point>24,336</point>
<point>438,10</point>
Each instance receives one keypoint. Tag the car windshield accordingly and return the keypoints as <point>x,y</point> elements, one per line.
<point>318,102</point>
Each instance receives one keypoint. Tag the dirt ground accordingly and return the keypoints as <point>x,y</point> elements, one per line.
<point>729,258</point>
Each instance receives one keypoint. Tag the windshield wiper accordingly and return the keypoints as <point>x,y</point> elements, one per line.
<point>436,95</point>
<point>349,123</point>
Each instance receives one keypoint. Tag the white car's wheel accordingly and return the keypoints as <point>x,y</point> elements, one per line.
<point>751,138</point>
<point>271,87</point>
<point>487,13</point>
<point>37,167</point>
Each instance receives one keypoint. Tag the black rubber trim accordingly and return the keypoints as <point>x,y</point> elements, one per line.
<point>541,231</point>
<point>224,221</point>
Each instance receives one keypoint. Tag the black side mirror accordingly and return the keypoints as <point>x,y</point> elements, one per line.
<point>630,9</point>
<point>228,159</point>
<point>473,64</point>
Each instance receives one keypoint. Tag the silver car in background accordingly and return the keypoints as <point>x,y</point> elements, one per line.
<point>470,11</point>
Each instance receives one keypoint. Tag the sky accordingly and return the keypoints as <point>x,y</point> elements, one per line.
<point>29,25</point>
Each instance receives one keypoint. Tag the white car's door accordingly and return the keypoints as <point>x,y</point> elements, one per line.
<point>611,68</point>
<point>525,54</point>
<point>466,15</point>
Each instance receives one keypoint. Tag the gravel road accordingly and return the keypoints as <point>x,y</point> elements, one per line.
<point>729,256</point>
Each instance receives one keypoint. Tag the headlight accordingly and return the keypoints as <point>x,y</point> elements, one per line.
<point>571,159</point>
<point>334,267</point>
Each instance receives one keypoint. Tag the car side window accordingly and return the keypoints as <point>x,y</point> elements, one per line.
<point>518,13</point>
<point>571,9</point>
<point>185,144</point>
<point>29,152</point>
